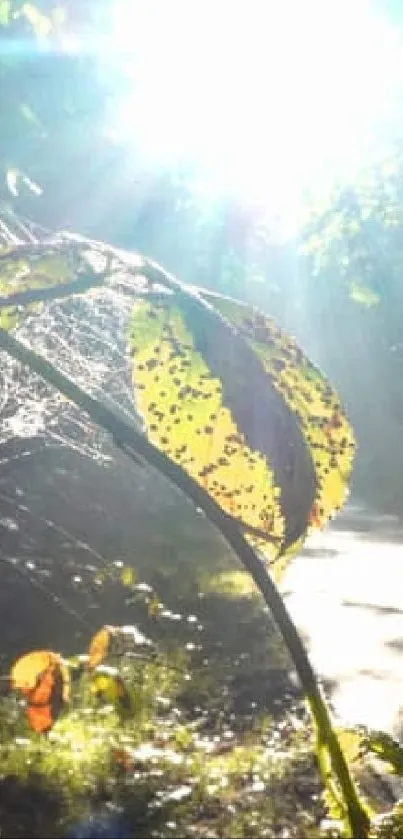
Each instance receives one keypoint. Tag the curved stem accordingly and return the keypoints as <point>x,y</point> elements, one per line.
<point>136,444</point>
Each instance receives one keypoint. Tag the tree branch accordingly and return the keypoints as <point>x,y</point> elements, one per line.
<point>56,292</point>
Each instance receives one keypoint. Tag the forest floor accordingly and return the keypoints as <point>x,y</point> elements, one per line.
<point>219,743</point>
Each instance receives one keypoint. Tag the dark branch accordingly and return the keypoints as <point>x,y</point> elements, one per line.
<point>42,295</point>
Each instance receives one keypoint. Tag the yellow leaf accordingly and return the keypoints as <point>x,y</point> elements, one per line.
<point>5,9</point>
<point>41,24</point>
<point>154,607</point>
<point>108,686</point>
<point>186,414</point>
<point>364,295</point>
<point>246,414</point>
<point>327,432</point>
<point>128,576</point>
<point>99,647</point>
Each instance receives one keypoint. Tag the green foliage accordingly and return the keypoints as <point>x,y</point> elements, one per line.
<point>354,240</point>
<point>389,825</point>
<point>180,761</point>
<point>5,9</point>
<point>384,747</point>
<point>172,777</point>
<point>361,294</point>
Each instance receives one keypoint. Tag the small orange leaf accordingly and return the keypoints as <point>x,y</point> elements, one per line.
<point>44,680</point>
<point>28,668</point>
<point>40,718</point>
<point>99,647</point>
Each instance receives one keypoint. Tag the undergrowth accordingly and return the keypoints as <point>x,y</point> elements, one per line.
<point>170,772</point>
<point>215,742</point>
<point>206,750</point>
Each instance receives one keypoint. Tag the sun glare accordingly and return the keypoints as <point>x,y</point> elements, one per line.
<point>268,99</point>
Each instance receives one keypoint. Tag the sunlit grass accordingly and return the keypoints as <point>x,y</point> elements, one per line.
<point>172,774</point>
<point>235,583</point>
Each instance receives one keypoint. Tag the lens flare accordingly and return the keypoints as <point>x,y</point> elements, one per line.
<point>267,99</point>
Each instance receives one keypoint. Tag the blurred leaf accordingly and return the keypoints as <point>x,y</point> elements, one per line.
<point>385,747</point>
<point>41,24</point>
<point>128,576</point>
<point>30,116</point>
<point>364,295</point>
<point>14,180</point>
<point>114,641</point>
<point>154,607</point>
<point>99,647</point>
<point>9,318</point>
<point>350,740</point>
<point>5,9</point>
<point>108,686</point>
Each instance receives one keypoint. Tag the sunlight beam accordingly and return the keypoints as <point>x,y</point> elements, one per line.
<point>266,98</point>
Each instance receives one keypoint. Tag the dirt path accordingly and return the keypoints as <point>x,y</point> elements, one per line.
<point>346,595</point>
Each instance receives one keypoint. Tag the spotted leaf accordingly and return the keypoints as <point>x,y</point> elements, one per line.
<point>209,404</point>
<point>309,395</point>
